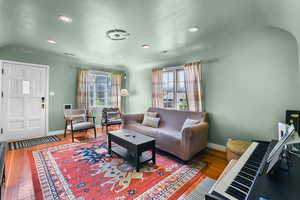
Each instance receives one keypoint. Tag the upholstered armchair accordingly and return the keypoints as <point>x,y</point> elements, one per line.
<point>78,120</point>
<point>110,117</point>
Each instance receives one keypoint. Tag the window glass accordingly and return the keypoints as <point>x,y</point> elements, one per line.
<point>26,87</point>
<point>100,90</point>
<point>174,89</point>
<point>168,89</point>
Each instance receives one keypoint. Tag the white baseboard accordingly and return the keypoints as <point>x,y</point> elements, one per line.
<point>57,132</point>
<point>217,147</point>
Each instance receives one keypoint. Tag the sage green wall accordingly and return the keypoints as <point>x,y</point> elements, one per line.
<point>62,78</point>
<point>251,78</point>
<point>140,88</point>
<point>251,86</point>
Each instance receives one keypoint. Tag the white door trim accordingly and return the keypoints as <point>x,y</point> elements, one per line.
<point>46,67</point>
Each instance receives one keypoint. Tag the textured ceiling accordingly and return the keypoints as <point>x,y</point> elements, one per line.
<point>161,23</point>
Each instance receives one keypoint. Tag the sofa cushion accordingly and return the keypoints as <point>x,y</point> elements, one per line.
<point>173,133</point>
<point>151,121</point>
<point>77,118</point>
<point>168,140</point>
<point>81,126</point>
<point>77,115</point>
<point>174,119</point>
<point>146,130</point>
<point>112,121</point>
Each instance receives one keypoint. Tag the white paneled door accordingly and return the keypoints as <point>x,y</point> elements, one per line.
<point>24,102</point>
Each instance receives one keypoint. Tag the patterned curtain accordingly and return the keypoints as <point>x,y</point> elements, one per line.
<point>82,90</point>
<point>116,88</point>
<point>157,89</point>
<point>193,84</point>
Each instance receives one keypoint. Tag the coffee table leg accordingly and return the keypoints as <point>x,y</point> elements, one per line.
<point>109,145</point>
<point>153,154</point>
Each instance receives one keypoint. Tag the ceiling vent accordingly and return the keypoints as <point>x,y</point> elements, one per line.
<point>117,34</point>
<point>69,54</point>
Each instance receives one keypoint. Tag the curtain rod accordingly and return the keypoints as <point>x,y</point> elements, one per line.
<point>170,68</point>
<point>178,66</point>
<point>211,60</point>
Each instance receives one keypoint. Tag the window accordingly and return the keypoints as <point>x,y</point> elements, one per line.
<point>99,89</point>
<point>174,89</point>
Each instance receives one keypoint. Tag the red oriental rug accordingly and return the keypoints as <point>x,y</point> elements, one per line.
<point>85,171</point>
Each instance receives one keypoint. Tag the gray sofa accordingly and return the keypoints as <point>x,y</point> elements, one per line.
<point>169,137</point>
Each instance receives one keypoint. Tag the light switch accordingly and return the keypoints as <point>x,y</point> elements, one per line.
<point>52,93</point>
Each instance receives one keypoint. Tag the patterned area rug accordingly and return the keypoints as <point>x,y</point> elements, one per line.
<point>31,142</point>
<point>85,171</point>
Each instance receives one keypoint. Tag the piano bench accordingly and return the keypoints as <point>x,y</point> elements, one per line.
<point>236,148</point>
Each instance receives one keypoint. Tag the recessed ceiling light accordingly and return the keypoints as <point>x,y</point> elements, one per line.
<point>146,46</point>
<point>64,18</point>
<point>51,41</point>
<point>193,29</point>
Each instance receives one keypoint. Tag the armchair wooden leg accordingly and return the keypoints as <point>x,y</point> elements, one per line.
<point>66,124</point>
<point>72,136</point>
<point>65,134</point>
<point>95,133</point>
<point>72,131</point>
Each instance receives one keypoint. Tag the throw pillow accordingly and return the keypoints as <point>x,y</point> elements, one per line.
<point>151,121</point>
<point>78,118</point>
<point>189,122</point>
<point>151,114</point>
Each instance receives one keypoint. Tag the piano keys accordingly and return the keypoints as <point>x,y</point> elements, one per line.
<point>246,180</point>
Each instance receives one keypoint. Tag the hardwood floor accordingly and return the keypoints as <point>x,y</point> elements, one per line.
<point>18,173</point>
<point>216,164</point>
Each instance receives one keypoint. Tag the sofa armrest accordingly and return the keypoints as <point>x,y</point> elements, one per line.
<point>194,138</point>
<point>194,130</point>
<point>131,118</point>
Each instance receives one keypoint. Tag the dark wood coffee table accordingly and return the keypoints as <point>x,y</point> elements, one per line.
<point>131,146</point>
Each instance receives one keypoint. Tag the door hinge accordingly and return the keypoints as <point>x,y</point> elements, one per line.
<point>1,130</point>
<point>2,71</point>
<point>2,94</point>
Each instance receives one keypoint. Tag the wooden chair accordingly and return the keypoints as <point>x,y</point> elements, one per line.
<point>110,117</point>
<point>78,120</point>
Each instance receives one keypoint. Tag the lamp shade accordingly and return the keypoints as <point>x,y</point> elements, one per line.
<point>124,92</point>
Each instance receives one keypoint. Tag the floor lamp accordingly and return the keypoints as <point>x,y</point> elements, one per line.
<point>124,93</point>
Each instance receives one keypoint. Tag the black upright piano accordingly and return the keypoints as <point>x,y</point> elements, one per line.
<point>246,179</point>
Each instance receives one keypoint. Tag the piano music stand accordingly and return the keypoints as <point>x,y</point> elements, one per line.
<point>282,150</point>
